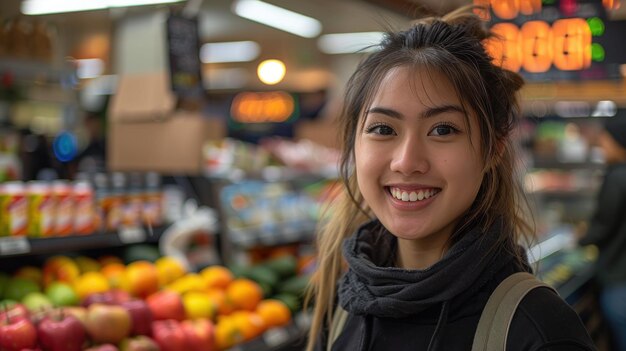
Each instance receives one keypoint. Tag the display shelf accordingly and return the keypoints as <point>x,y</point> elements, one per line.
<point>21,246</point>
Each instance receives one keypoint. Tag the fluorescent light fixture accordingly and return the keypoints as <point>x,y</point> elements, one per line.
<point>232,51</point>
<point>278,17</point>
<point>89,68</point>
<point>43,7</point>
<point>349,43</point>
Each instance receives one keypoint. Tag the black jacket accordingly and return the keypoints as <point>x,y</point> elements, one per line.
<point>607,228</point>
<point>446,317</point>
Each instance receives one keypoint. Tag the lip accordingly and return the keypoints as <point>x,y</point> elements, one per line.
<point>415,205</point>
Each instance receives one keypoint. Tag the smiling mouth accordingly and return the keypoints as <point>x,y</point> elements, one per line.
<point>412,196</point>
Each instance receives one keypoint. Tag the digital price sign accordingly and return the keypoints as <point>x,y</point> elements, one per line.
<point>544,39</point>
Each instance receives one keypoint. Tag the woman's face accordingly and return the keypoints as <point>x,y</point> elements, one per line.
<point>417,167</point>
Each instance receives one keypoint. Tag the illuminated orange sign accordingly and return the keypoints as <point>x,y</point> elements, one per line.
<point>572,44</point>
<point>537,46</point>
<point>507,9</point>
<point>262,107</point>
<point>504,48</point>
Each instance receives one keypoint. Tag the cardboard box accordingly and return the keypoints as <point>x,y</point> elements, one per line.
<point>146,133</point>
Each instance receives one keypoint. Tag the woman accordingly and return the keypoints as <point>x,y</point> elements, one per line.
<point>433,216</point>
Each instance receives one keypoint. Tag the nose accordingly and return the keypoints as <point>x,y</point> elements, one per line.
<point>410,156</point>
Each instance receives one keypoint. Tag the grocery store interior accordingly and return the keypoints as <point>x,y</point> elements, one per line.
<point>172,158</point>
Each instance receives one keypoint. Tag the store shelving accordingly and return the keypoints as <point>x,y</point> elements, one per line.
<point>22,246</point>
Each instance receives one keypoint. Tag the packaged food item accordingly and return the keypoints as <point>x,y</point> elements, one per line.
<point>41,209</point>
<point>133,205</point>
<point>84,210</point>
<point>114,203</point>
<point>13,209</point>
<point>64,217</point>
<point>152,210</point>
<point>101,194</point>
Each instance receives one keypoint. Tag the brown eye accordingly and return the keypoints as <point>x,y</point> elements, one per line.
<point>380,129</point>
<point>443,129</point>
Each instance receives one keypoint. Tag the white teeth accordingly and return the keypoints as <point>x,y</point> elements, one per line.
<point>412,196</point>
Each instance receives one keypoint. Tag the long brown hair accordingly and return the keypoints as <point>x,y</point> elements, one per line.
<point>453,46</point>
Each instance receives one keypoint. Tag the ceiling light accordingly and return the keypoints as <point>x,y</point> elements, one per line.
<point>278,17</point>
<point>350,43</point>
<point>232,51</point>
<point>271,72</point>
<point>42,7</point>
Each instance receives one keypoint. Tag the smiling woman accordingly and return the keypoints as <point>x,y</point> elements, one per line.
<point>431,220</point>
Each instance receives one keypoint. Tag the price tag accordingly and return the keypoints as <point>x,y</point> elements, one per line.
<point>275,336</point>
<point>14,246</point>
<point>129,235</point>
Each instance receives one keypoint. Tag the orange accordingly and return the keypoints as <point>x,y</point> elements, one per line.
<point>227,334</point>
<point>274,313</point>
<point>249,324</point>
<point>244,294</point>
<point>169,269</point>
<point>60,268</point>
<point>140,279</point>
<point>114,273</point>
<point>89,283</point>
<point>219,299</point>
<point>217,277</point>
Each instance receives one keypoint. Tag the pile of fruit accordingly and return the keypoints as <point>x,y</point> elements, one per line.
<point>86,304</point>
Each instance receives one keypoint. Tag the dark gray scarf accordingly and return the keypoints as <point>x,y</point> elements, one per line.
<point>374,286</point>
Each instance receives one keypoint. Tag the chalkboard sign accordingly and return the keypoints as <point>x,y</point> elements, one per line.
<point>184,55</point>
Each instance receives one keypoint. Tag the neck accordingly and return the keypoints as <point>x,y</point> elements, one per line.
<point>415,255</point>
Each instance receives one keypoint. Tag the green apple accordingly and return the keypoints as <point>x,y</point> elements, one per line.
<point>17,288</point>
<point>37,302</point>
<point>62,294</point>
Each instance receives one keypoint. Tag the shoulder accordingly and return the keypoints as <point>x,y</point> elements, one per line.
<point>544,321</point>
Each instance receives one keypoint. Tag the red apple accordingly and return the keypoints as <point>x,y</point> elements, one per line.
<point>169,335</point>
<point>79,312</point>
<point>103,347</point>
<point>61,332</point>
<point>14,313</point>
<point>140,315</point>
<point>107,323</point>
<point>139,343</point>
<point>17,335</point>
<point>166,305</point>
<point>200,334</point>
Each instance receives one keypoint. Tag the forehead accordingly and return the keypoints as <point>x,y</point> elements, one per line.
<point>423,86</point>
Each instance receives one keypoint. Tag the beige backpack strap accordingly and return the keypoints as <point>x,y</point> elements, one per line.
<point>495,320</point>
<point>339,320</point>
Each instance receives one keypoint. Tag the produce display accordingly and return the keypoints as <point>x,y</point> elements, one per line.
<point>82,303</point>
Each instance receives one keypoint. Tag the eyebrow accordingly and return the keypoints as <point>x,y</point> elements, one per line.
<point>429,112</point>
